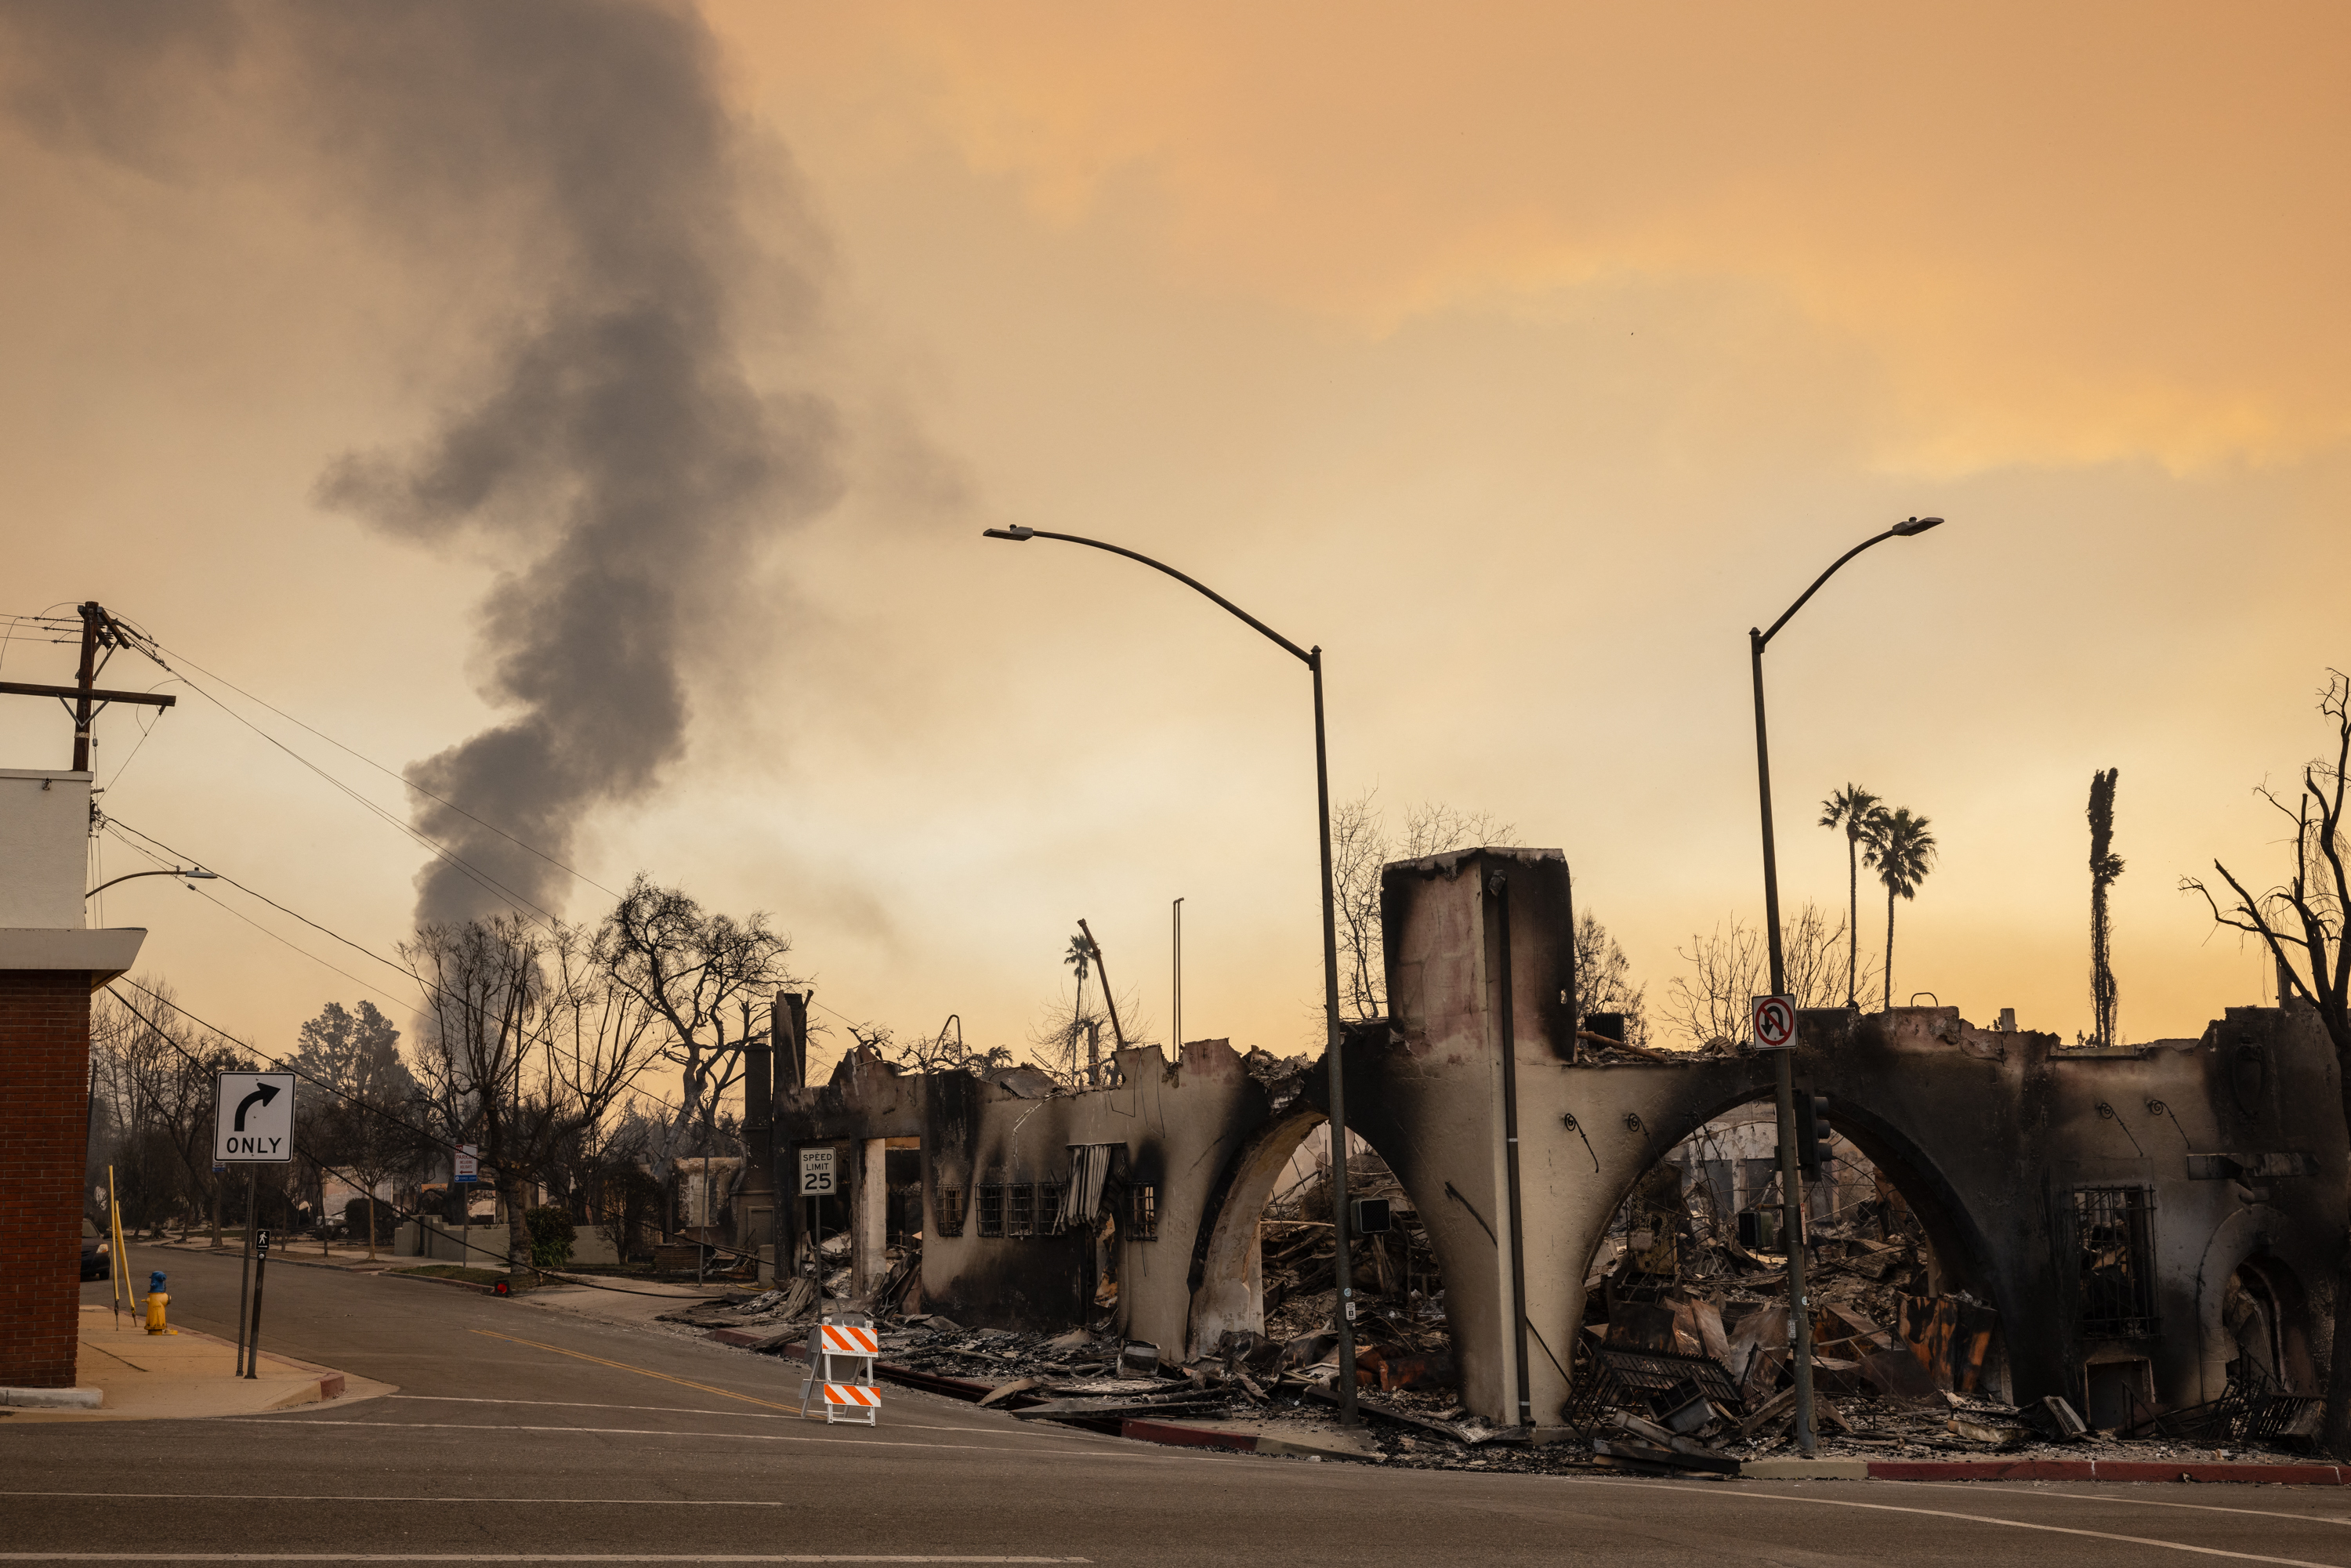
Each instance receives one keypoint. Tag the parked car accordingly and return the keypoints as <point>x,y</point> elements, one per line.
<point>94,1262</point>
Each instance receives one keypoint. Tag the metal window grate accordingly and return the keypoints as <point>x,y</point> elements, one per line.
<point>1049,1206</point>
<point>1146,1212</point>
<point>1020,1210</point>
<point>991,1211</point>
<point>2114,1237</point>
<point>950,1211</point>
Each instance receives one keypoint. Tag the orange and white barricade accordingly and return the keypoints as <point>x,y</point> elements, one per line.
<point>840,1354</point>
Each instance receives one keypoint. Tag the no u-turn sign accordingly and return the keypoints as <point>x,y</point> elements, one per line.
<point>1775,1023</point>
<point>252,1118</point>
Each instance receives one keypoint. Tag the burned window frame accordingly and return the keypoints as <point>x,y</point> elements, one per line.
<point>2106,1219</point>
<point>1049,1205</point>
<point>1020,1209</point>
<point>991,1209</point>
<point>1144,1209</point>
<point>950,1210</point>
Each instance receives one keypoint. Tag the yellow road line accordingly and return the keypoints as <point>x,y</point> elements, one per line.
<point>641,1371</point>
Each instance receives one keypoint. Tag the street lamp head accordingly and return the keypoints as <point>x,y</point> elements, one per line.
<point>201,875</point>
<point>1015,534</point>
<point>1915,526</point>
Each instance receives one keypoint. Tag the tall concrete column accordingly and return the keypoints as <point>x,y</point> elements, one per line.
<point>869,1218</point>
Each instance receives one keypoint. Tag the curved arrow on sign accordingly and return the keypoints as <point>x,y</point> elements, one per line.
<point>265,1093</point>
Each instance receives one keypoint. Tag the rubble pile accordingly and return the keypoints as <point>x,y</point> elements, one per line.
<point>1686,1359</point>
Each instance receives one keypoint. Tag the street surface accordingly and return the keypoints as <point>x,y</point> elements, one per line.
<point>523,1434</point>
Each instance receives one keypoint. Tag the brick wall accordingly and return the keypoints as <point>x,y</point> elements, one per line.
<point>44,1086</point>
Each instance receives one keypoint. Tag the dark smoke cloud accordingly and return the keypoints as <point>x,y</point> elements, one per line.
<point>617,446</point>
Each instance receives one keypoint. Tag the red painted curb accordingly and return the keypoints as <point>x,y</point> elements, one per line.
<point>1187,1437</point>
<point>2106,1470</point>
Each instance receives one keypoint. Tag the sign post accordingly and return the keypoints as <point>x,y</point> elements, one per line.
<point>260,1267</point>
<point>253,1126</point>
<point>817,1183</point>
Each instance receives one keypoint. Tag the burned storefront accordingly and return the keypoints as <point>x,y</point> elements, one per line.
<point>2134,1231</point>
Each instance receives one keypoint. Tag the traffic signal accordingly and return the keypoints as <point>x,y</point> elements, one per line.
<point>1371,1216</point>
<point>1812,1130</point>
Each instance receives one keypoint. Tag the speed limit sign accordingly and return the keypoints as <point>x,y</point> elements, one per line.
<point>1775,1023</point>
<point>816,1172</point>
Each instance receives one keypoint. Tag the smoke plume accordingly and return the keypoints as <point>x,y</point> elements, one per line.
<point>615,453</point>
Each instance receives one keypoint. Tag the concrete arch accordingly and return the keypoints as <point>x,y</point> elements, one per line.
<point>1228,1282</point>
<point>1960,1255</point>
<point>2245,1243</point>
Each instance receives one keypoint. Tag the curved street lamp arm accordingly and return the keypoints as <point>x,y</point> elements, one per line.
<point>101,887</point>
<point>1302,654</point>
<point>1824,576</point>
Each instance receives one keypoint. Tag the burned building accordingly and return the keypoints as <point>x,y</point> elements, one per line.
<point>2122,1226</point>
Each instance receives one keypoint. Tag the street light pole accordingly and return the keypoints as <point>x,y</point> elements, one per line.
<point>1335,1067</point>
<point>1791,1196</point>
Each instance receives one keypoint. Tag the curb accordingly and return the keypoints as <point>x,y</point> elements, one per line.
<point>51,1398</point>
<point>1171,1435</point>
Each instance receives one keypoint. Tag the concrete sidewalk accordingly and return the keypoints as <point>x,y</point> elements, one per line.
<point>141,1376</point>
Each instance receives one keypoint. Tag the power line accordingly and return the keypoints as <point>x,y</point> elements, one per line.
<point>284,1065</point>
<point>429,986</point>
<point>405,781</point>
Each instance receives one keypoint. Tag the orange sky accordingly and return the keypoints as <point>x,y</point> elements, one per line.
<point>1521,357</point>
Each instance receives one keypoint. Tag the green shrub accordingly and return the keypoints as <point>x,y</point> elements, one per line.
<point>552,1231</point>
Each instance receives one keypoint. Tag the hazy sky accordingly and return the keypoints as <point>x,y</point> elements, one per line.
<point>1522,357</point>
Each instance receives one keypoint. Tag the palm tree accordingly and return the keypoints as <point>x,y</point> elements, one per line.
<point>1901,852</point>
<point>1081,954</point>
<point>1856,810</point>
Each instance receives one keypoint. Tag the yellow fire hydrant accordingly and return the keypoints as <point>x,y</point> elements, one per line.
<point>156,1302</point>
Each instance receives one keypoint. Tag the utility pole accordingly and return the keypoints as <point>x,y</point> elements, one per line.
<point>1791,1187</point>
<point>84,698</point>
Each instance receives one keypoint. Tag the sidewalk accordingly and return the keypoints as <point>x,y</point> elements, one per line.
<point>141,1376</point>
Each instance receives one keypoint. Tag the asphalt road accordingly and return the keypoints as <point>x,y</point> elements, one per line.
<point>524,1434</point>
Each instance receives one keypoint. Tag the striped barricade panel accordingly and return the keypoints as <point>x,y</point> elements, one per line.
<point>858,1402</point>
<point>847,1340</point>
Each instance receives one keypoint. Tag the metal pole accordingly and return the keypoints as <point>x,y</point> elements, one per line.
<point>1340,1218</point>
<point>260,1265</point>
<point>245,1263</point>
<point>1337,1070</point>
<point>1791,1188</point>
<point>1507,1016</point>
<point>1177,909</point>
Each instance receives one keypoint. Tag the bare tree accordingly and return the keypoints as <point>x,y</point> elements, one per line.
<point>942,1052</point>
<point>1711,1006</point>
<point>690,970</point>
<point>151,1076</point>
<point>2301,921</point>
<point>1604,980</point>
<point>1066,1039</point>
<point>2104,867</point>
<point>359,1100</point>
<point>531,1039</point>
<point>1360,847</point>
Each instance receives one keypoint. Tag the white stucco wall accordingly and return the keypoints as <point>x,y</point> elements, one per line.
<point>44,849</point>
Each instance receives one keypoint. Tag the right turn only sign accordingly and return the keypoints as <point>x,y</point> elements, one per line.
<point>1775,1023</point>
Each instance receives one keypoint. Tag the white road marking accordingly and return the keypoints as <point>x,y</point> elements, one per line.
<point>395,1497</point>
<point>481,1557</point>
<point>844,1439</point>
<point>659,1410</point>
<point>1965,1518</point>
<point>2152,1503</point>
